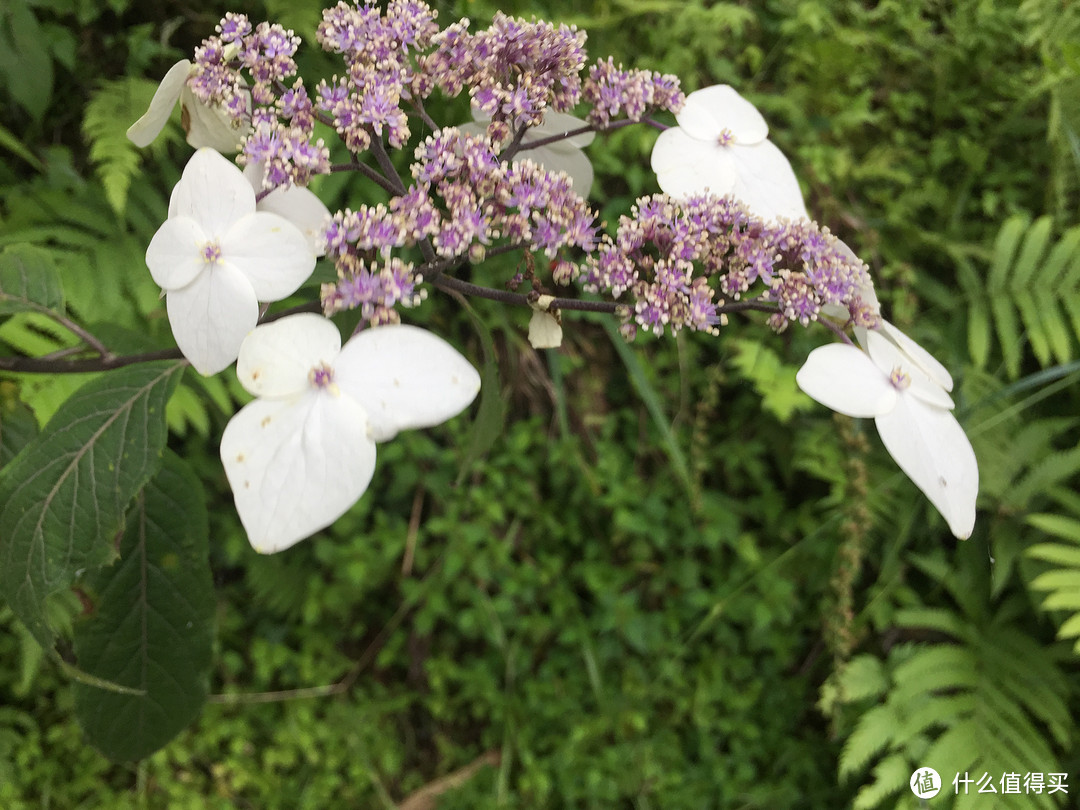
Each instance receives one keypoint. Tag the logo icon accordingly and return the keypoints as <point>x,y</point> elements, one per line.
<point>925,783</point>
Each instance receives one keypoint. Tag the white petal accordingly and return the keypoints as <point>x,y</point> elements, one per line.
<point>931,448</point>
<point>685,166</point>
<point>559,158</point>
<point>276,359</point>
<point>405,377</point>
<point>711,110</point>
<point>271,252</point>
<point>174,255</point>
<point>211,316</point>
<point>295,466</point>
<point>149,126</point>
<point>843,378</point>
<point>766,182</point>
<point>888,357</point>
<point>922,358</point>
<point>555,123</point>
<point>544,331</point>
<point>304,210</point>
<point>208,126</point>
<point>213,192</point>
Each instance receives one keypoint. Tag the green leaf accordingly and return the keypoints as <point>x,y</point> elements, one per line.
<point>491,415</point>
<point>17,423</point>
<point>1057,525</point>
<point>149,625</point>
<point>28,280</point>
<point>651,398</point>
<point>773,379</point>
<point>63,497</point>
<point>1008,239</point>
<point>9,141</point>
<point>25,59</point>
<point>1031,252</point>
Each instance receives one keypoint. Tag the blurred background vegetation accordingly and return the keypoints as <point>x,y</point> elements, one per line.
<point>672,581</point>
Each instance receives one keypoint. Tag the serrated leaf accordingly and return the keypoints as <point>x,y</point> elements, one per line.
<point>105,120</point>
<point>940,666</point>
<point>956,750</point>
<point>63,497</point>
<point>29,280</point>
<point>890,776</point>
<point>875,730</point>
<point>773,379</point>
<point>150,621</point>
<point>862,677</point>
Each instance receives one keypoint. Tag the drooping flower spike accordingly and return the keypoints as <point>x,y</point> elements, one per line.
<point>721,146</point>
<point>302,453</point>
<point>216,258</point>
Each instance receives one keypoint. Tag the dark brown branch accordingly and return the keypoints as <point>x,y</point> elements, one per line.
<point>42,365</point>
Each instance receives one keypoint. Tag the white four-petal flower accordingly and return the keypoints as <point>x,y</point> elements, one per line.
<point>304,452</point>
<point>912,410</point>
<point>216,257</point>
<point>721,146</point>
<point>204,125</point>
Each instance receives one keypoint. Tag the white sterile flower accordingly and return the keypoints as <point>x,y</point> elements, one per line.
<point>721,146</point>
<point>560,156</point>
<point>297,204</point>
<point>302,453</point>
<point>216,258</point>
<point>913,414</point>
<point>204,125</point>
<point>545,328</point>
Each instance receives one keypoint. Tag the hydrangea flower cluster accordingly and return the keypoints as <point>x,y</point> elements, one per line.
<point>728,233</point>
<point>667,251</point>
<point>464,199</point>
<point>378,50</point>
<point>612,91</point>
<point>513,70</point>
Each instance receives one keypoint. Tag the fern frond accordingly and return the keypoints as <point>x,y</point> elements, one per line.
<point>112,108</point>
<point>1055,469</point>
<point>980,703</point>
<point>890,776</point>
<point>873,733</point>
<point>1031,293</point>
<point>863,677</point>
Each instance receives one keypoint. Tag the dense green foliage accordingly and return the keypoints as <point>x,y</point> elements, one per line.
<point>671,581</point>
